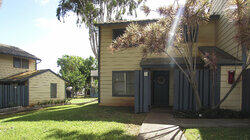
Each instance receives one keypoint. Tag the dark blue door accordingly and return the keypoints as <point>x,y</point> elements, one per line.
<point>161,88</point>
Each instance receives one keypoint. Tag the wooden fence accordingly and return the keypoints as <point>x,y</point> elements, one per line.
<point>246,91</point>
<point>13,95</point>
<point>183,93</point>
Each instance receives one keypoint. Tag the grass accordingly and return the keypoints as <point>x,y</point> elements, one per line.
<point>218,133</point>
<point>81,100</point>
<point>88,121</point>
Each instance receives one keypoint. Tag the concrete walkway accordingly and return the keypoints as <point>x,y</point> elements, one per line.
<point>157,126</point>
<point>160,124</point>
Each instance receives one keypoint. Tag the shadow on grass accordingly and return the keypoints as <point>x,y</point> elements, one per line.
<point>111,135</point>
<point>88,112</point>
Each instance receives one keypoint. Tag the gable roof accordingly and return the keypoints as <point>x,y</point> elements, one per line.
<point>141,21</point>
<point>23,76</point>
<point>223,58</point>
<point>120,22</point>
<point>11,50</point>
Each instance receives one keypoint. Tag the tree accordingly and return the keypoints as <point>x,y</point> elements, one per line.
<point>89,64</point>
<point>238,13</point>
<point>176,33</point>
<point>76,70</point>
<point>90,12</point>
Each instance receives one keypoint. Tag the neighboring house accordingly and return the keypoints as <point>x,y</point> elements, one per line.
<point>20,81</point>
<point>94,86</point>
<point>128,79</point>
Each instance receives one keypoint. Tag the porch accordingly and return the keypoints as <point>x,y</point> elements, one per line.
<point>161,83</point>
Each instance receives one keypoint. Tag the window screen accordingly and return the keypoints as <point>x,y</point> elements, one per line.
<point>16,62</point>
<point>118,32</point>
<point>123,83</point>
<point>53,90</point>
<point>25,63</point>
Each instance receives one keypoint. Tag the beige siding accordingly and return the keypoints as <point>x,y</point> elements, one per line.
<point>7,69</point>
<point>129,60</point>
<point>225,30</point>
<point>234,100</point>
<point>39,87</point>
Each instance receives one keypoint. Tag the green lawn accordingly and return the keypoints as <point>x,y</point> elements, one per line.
<point>218,133</point>
<point>81,100</point>
<point>88,121</point>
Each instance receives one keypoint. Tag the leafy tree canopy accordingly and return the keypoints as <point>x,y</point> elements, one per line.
<point>76,70</point>
<point>90,12</point>
<point>176,34</point>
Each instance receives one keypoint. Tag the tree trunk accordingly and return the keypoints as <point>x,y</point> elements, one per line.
<point>196,92</point>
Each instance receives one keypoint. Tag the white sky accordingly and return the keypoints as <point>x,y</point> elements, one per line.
<point>67,38</point>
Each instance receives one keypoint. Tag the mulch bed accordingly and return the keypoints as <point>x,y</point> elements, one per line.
<point>14,110</point>
<point>212,114</point>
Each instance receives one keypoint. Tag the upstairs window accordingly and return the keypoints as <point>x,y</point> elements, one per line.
<point>117,33</point>
<point>17,62</point>
<point>25,63</point>
<point>20,63</point>
<point>123,83</point>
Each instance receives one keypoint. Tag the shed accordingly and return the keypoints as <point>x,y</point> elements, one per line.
<point>38,86</point>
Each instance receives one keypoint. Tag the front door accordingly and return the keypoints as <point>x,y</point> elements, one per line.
<point>161,88</point>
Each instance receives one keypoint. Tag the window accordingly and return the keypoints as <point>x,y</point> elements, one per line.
<point>25,63</point>
<point>53,90</point>
<point>118,32</point>
<point>20,63</point>
<point>17,62</point>
<point>123,83</point>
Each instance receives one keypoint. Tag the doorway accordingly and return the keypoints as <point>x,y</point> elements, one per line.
<point>160,96</point>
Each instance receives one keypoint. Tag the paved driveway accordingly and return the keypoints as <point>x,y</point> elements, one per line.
<point>160,124</point>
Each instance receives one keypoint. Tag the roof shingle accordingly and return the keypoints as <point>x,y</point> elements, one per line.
<point>11,50</point>
<point>23,76</point>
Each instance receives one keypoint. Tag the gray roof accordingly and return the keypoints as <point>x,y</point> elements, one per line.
<point>23,76</point>
<point>11,50</point>
<point>165,61</point>
<point>119,22</point>
<point>223,58</point>
<point>94,73</point>
<point>140,21</point>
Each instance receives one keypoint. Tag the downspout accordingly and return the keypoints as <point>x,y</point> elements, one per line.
<point>37,62</point>
<point>99,50</point>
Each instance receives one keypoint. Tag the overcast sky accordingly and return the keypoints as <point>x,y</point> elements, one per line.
<point>32,26</point>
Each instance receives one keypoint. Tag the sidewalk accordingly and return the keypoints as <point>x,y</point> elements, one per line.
<point>160,124</point>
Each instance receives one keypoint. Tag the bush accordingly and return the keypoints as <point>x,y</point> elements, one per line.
<point>50,102</point>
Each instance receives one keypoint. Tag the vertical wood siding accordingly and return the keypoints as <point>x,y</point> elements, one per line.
<point>184,98</point>
<point>39,87</point>
<point>129,60</point>
<point>13,95</point>
<point>246,91</point>
<point>225,30</point>
<point>7,69</point>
